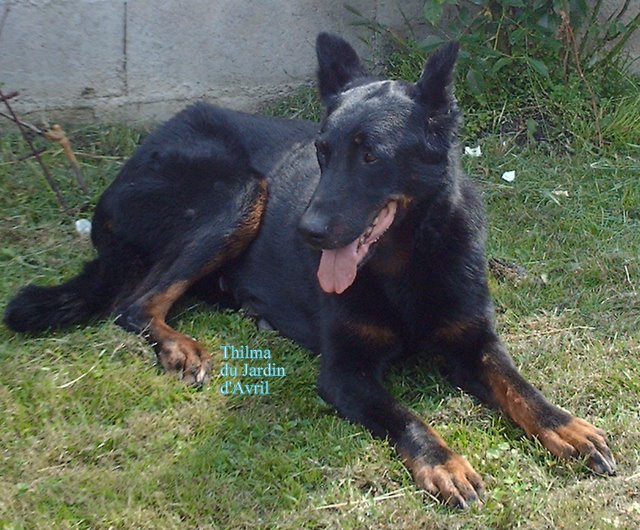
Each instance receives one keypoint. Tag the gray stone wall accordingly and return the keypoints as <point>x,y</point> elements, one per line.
<point>141,60</point>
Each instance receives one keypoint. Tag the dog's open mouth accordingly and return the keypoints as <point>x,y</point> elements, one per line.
<point>338,267</point>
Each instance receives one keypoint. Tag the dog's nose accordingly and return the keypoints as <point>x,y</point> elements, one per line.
<point>314,230</point>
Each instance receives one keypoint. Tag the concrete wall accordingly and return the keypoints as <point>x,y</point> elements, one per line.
<point>140,60</point>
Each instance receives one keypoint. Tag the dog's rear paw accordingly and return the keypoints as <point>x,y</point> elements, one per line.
<point>579,439</point>
<point>454,481</point>
<point>186,358</point>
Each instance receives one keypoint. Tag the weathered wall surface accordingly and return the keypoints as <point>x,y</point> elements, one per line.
<point>141,60</point>
<point>610,7</point>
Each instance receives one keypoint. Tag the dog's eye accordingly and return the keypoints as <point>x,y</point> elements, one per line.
<point>369,158</point>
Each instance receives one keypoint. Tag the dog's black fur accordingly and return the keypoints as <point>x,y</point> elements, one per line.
<point>250,204</point>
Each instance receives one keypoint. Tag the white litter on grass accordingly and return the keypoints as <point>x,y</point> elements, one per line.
<point>474,152</point>
<point>509,176</point>
<point>560,193</point>
<point>83,227</point>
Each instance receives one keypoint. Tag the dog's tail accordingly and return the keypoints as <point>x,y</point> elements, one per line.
<point>90,294</point>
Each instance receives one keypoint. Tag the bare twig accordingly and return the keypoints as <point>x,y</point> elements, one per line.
<point>591,27</point>
<point>632,27</point>
<point>554,331</point>
<point>379,498</point>
<point>26,125</point>
<point>29,155</point>
<point>8,96</point>
<point>57,134</point>
<point>621,13</point>
<point>47,175</point>
<point>566,31</point>
<point>54,134</point>
<point>82,376</point>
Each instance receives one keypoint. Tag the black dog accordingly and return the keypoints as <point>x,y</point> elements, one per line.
<point>359,238</point>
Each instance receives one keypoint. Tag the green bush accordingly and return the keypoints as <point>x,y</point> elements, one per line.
<point>541,70</point>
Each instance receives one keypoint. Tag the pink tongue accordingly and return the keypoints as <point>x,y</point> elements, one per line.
<point>338,267</point>
<point>337,270</point>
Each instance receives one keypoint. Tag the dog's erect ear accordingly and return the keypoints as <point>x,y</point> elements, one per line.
<point>338,64</point>
<point>434,85</point>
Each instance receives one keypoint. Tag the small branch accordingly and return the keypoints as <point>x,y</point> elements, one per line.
<point>71,383</point>
<point>29,155</point>
<point>567,30</point>
<point>54,134</point>
<point>621,13</point>
<point>633,25</point>
<point>52,183</point>
<point>26,125</point>
<point>57,134</point>
<point>7,97</point>
<point>590,26</point>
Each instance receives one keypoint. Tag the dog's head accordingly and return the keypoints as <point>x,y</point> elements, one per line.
<point>383,146</point>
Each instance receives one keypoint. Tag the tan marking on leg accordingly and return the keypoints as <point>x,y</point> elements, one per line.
<point>159,304</point>
<point>250,223</point>
<point>372,333</point>
<point>575,439</point>
<point>176,352</point>
<point>510,401</point>
<point>455,331</point>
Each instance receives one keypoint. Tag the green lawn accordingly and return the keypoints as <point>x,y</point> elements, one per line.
<point>92,435</point>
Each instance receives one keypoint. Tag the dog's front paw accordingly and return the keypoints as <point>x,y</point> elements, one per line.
<point>579,439</point>
<point>185,357</point>
<point>453,481</point>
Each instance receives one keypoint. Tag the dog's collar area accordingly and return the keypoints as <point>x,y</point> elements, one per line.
<point>338,267</point>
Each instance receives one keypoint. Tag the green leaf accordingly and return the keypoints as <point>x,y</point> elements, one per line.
<point>8,253</point>
<point>532,129</point>
<point>578,10</point>
<point>517,36</point>
<point>538,66</point>
<point>431,42</point>
<point>549,22</point>
<point>433,11</point>
<point>501,63</point>
<point>464,15</point>
<point>475,81</point>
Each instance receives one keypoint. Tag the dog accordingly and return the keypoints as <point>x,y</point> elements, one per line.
<point>358,238</point>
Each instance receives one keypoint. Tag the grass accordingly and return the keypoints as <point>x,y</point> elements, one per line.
<point>92,435</point>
